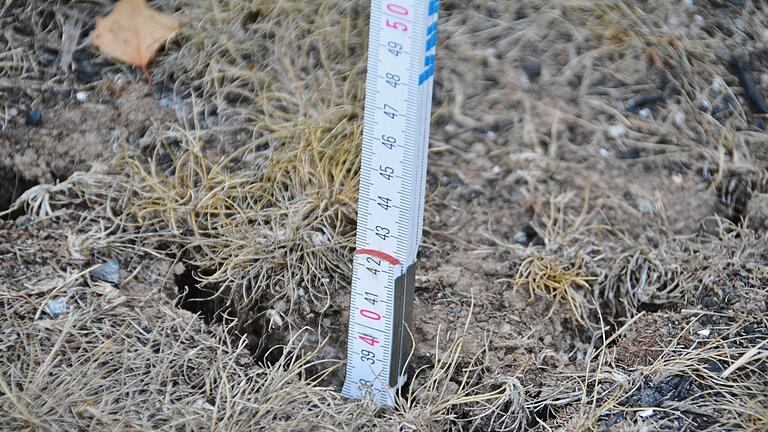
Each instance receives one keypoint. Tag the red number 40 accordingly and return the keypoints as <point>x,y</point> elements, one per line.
<point>370,340</point>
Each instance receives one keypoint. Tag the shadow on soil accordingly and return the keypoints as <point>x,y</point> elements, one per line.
<point>205,299</point>
<point>12,185</point>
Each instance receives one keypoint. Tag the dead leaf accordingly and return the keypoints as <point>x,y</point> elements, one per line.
<point>133,32</point>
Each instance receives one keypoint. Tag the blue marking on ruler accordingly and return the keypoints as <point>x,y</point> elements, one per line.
<point>429,48</point>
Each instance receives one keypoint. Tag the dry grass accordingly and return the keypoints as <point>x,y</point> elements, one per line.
<point>135,367</point>
<point>558,283</point>
<point>248,225</point>
<point>254,187</point>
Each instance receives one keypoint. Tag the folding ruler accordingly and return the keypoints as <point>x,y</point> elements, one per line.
<point>401,64</point>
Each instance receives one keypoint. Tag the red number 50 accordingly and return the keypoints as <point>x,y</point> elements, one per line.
<point>397,9</point>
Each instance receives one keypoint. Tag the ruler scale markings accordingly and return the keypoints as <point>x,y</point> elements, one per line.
<point>390,202</point>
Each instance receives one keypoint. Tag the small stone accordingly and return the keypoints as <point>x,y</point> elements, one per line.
<point>646,413</point>
<point>275,320</point>
<point>23,221</point>
<point>532,69</point>
<point>645,113</point>
<point>644,206</point>
<point>178,269</point>
<point>108,272</point>
<point>81,96</point>
<point>604,152</point>
<point>56,307</point>
<point>520,238</point>
<point>33,117</point>
<point>617,130</point>
<point>319,239</point>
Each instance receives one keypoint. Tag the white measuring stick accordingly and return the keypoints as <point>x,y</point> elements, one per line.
<point>401,63</point>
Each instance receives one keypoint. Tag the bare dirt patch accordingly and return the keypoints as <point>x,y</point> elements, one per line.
<point>71,135</point>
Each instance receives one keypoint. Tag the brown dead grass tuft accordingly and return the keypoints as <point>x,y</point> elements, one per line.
<point>558,283</point>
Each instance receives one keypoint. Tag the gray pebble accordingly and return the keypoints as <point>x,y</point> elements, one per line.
<point>644,206</point>
<point>520,238</point>
<point>34,117</point>
<point>108,272</point>
<point>56,307</point>
<point>532,69</point>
